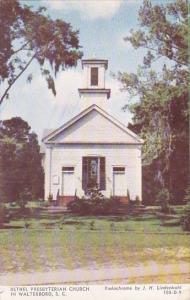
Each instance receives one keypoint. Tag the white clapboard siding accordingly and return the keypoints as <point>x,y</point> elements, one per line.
<point>96,128</point>
<point>128,156</point>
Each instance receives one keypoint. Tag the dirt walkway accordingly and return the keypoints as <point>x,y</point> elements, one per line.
<point>102,275</point>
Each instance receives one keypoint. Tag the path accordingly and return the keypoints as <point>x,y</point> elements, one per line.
<point>93,275</point>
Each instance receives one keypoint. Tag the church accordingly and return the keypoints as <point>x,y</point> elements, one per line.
<point>93,149</point>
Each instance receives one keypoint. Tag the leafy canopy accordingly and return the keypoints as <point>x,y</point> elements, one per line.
<point>28,35</point>
<point>161,84</point>
<point>21,172</point>
<point>164,33</point>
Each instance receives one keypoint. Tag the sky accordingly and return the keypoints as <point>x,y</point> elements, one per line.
<point>102,25</point>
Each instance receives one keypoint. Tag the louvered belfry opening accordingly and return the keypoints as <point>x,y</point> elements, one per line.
<point>94,76</point>
<point>93,173</point>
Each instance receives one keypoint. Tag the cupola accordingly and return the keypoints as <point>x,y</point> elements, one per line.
<point>94,90</point>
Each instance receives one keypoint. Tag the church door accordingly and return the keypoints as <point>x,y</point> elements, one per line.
<point>68,182</point>
<point>119,181</point>
<point>93,173</point>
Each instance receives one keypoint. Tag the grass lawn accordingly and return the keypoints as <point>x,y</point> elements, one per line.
<point>55,241</point>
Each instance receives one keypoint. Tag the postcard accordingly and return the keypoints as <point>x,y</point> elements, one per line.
<point>94,149</point>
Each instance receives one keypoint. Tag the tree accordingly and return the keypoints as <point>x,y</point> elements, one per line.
<point>21,173</point>
<point>27,36</point>
<point>161,114</point>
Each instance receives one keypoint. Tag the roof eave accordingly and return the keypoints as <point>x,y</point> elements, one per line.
<point>95,61</point>
<point>84,112</point>
<point>95,91</point>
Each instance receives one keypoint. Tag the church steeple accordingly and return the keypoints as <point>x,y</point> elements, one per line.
<point>94,91</point>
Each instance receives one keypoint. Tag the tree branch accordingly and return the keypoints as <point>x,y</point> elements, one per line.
<point>11,84</point>
<point>21,48</point>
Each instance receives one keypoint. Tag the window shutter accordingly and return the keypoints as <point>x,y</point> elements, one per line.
<point>84,172</point>
<point>102,173</point>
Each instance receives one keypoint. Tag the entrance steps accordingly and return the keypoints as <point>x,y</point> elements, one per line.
<point>124,207</point>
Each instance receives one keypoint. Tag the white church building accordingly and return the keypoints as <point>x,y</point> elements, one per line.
<point>93,149</point>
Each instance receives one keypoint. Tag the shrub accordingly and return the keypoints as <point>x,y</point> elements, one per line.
<point>4,215</point>
<point>45,204</point>
<point>24,197</point>
<point>93,203</point>
<point>92,225</point>
<point>50,197</point>
<point>79,206</point>
<point>163,200</point>
<point>185,219</point>
<point>187,195</point>
<point>137,200</point>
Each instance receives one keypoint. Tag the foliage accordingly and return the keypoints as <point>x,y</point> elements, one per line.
<point>187,195</point>
<point>24,197</point>
<point>161,114</point>
<point>28,35</point>
<point>2,214</point>
<point>79,206</point>
<point>185,219</point>
<point>93,203</point>
<point>50,197</point>
<point>92,225</point>
<point>150,186</point>
<point>163,200</point>
<point>21,173</point>
<point>137,200</point>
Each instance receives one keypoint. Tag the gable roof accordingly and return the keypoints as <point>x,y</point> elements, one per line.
<point>44,134</point>
<point>53,134</point>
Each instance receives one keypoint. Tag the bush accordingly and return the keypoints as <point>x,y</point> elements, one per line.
<point>92,225</point>
<point>4,215</point>
<point>187,195</point>
<point>163,200</point>
<point>185,219</point>
<point>137,200</point>
<point>45,204</point>
<point>79,206</point>
<point>93,203</point>
<point>24,197</point>
<point>50,197</point>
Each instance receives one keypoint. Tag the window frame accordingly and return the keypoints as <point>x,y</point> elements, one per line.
<point>101,173</point>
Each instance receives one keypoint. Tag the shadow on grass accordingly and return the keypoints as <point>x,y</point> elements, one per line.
<point>70,222</point>
<point>171,224</point>
<point>150,218</point>
<point>36,213</point>
<point>11,227</point>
